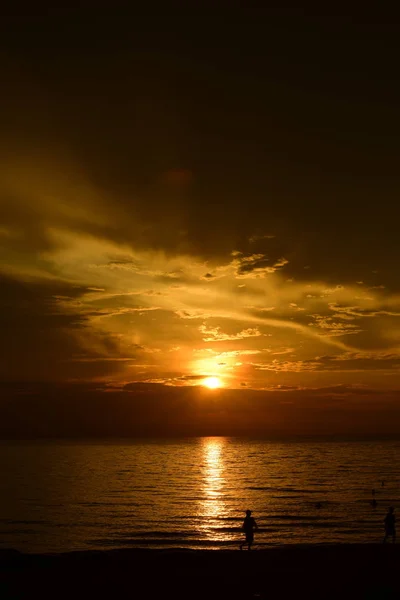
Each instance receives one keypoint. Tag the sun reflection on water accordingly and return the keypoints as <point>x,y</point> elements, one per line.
<point>212,504</point>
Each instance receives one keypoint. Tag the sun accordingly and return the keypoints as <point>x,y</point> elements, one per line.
<point>212,382</point>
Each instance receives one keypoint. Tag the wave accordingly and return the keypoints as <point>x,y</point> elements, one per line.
<point>161,534</point>
<point>130,504</point>
<point>194,543</point>
<point>26,522</point>
<point>283,489</point>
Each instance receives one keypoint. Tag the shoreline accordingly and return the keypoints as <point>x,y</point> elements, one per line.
<point>259,548</point>
<point>310,571</point>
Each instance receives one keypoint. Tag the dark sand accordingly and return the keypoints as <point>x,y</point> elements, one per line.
<point>345,571</point>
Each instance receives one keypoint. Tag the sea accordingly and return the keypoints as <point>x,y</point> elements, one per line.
<point>59,496</point>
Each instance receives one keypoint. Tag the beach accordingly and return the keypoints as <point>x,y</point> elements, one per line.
<point>329,571</point>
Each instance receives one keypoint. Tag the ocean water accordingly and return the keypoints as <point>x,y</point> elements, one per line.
<point>192,493</point>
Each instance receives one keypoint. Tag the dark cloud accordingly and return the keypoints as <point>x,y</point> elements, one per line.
<point>256,265</point>
<point>191,377</point>
<point>89,410</point>
<point>193,153</point>
<point>361,361</point>
<point>38,341</point>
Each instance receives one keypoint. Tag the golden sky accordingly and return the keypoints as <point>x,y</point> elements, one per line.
<point>169,214</point>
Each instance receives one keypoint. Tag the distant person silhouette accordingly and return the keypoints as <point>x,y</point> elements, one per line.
<point>390,525</point>
<point>249,525</point>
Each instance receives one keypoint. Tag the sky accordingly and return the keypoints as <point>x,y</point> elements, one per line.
<point>186,195</point>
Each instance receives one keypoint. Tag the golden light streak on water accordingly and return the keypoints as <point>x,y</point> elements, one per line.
<point>212,504</point>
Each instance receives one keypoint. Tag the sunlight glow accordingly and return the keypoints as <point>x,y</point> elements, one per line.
<point>212,382</point>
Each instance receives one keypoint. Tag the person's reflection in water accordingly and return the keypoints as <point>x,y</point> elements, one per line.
<point>249,525</point>
<point>390,525</point>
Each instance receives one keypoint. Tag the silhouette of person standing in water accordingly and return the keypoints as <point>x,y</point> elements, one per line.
<point>249,525</point>
<point>390,525</point>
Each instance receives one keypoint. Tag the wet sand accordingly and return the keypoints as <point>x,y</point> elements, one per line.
<point>343,571</point>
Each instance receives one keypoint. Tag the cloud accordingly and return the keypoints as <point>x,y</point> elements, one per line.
<point>298,366</point>
<point>283,388</point>
<point>255,265</point>
<point>190,377</point>
<point>356,311</point>
<point>214,334</point>
<point>257,238</point>
<point>99,359</point>
<point>101,280</point>
<point>261,309</point>
<point>356,362</point>
<point>104,312</point>
<point>187,314</point>
<point>293,306</point>
<point>232,353</point>
<point>330,291</point>
<point>333,328</point>
<point>39,341</point>
<point>154,408</point>
<point>361,361</point>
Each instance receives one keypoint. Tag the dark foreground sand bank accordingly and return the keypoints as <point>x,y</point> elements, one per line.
<point>345,571</point>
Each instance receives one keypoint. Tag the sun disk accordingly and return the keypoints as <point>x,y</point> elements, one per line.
<point>212,382</point>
